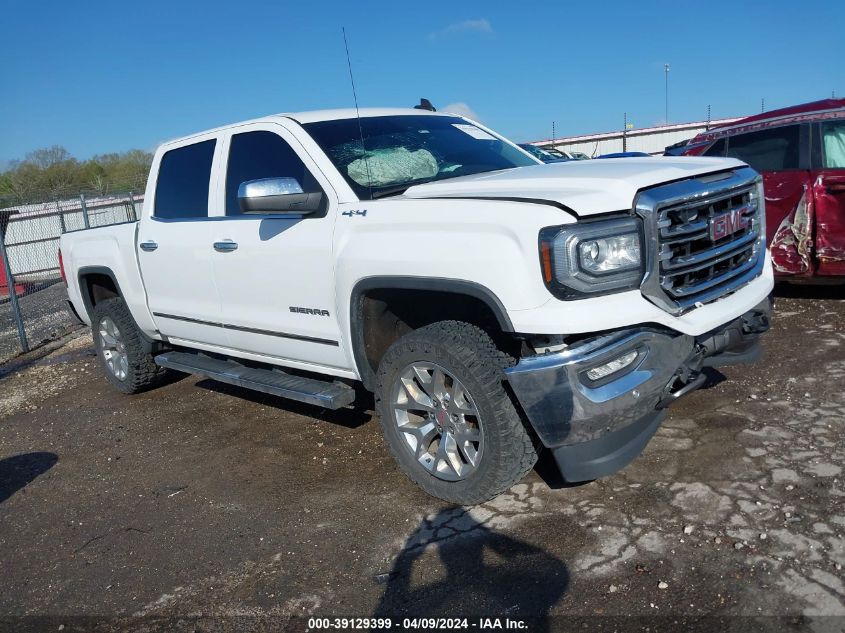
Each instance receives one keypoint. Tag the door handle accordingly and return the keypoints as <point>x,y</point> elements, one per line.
<point>148,246</point>
<point>225,247</point>
<point>835,187</point>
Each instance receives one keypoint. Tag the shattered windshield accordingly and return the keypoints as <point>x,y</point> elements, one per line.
<point>402,151</point>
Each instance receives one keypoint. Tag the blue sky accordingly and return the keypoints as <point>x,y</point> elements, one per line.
<point>108,76</point>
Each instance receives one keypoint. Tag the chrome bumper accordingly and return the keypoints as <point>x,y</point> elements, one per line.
<point>568,410</point>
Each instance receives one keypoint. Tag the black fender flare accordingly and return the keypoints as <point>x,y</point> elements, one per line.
<point>388,282</point>
<point>85,271</point>
<point>83,287</point>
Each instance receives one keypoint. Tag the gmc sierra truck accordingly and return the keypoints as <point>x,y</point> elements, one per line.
<point>493,304</point>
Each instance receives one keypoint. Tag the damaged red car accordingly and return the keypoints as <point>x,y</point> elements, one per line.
<point>800,151</point>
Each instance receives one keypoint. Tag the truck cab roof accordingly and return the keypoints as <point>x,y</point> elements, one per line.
<point>316,116</point>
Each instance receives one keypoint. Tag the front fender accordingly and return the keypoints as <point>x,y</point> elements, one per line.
<point>487,249</point>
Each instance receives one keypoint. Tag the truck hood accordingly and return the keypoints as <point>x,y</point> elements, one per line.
<point>588,187</point>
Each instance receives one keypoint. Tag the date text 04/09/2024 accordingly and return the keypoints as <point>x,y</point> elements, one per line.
<point>481,624</point>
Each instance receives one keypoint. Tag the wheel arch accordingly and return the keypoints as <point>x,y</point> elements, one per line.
<point>93,292</point>
<point>419,287</point>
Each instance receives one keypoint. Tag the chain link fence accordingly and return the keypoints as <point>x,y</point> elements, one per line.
<point>33,306</point>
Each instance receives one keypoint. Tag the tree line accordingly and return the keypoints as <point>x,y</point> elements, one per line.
<point>53,173</point>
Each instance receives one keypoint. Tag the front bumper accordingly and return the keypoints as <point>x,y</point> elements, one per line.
<point>596,427</point>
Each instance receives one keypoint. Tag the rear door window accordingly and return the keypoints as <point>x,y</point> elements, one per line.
<point>183,179</point>
<point>775,149</point>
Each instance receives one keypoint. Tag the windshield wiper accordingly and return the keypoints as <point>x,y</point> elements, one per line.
<point>400,189</point>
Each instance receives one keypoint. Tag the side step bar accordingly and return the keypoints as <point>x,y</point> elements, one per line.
<point>331,395</point>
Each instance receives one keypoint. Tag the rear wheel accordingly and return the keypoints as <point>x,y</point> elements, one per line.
<point>447,417</point>
<point>123,353</point>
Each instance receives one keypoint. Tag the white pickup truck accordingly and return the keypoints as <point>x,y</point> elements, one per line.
<point>493,304</point>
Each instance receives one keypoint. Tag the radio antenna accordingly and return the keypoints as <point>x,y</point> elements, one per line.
<point>358,114</point>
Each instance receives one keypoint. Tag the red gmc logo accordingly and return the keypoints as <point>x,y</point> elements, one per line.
<point>728,223</point>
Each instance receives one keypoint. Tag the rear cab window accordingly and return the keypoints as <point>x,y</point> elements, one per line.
<point>182,185</point>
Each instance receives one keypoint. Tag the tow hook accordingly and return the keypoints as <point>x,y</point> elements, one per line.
<point>671,397</point>
<point>755,322</point>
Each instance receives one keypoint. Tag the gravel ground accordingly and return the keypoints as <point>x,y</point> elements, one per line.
<point>45,316</point>
<point>200,506</point>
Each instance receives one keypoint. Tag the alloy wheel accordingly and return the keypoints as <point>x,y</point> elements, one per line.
<point>113,348</point>
<point>438,420</point>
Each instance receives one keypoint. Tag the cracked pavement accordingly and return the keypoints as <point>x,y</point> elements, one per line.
<point>211,503</point>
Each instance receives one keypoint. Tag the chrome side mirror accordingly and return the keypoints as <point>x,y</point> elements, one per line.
<point>276,195</point>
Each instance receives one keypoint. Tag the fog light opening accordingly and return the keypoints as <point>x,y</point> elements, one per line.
<point>617,364</point>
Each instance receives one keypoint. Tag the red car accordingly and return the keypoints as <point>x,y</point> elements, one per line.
<point>800,151</point>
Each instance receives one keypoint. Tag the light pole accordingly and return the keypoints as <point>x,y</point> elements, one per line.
<point>666,94</point>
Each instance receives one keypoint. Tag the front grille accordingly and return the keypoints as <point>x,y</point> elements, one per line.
<point>705,238</point>
<point>697,261</point>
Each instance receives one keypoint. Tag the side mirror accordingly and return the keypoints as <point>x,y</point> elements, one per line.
<point>277,195</point>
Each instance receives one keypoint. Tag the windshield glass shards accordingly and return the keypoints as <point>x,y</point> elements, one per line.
<point>401,151</point>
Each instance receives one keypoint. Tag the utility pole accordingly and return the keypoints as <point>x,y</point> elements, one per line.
<point>625,132</point>
<point>666,94</point>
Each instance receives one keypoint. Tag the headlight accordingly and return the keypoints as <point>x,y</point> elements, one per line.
<point>610,254</point>
<point>592,258</point>
<point>757,199</point>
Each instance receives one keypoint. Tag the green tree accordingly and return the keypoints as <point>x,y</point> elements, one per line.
<point>52,172</point>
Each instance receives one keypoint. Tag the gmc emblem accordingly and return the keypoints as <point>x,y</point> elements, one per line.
<point>728,223</point>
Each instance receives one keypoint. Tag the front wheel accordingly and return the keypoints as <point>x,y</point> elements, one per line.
<point>446,416</point>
